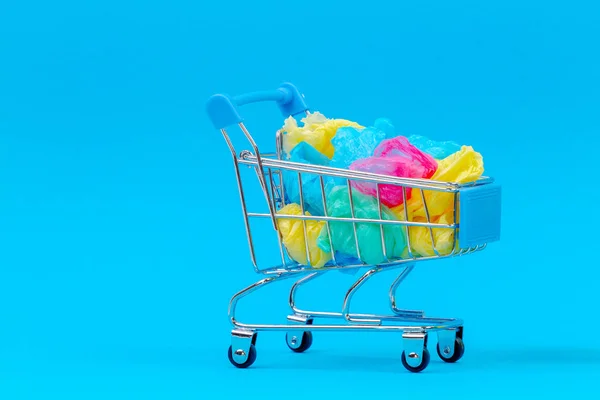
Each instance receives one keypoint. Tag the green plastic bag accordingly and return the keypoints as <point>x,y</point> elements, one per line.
<point>369,234</point>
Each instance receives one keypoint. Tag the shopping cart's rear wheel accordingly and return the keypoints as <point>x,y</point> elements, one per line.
<point>459,351</point>
<point>301,344</point>
<point>249,361</point>
<point>424,361</point>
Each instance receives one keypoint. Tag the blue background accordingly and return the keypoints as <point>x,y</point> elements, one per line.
<point>121,239</point>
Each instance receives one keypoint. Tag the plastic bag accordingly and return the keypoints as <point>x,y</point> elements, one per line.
<point>351,144</point>
<point>401,147</point>
<point>420,237</point>
<point>311,187</point>
<point>369,234</point>
<point>292,234</point>
<point>463,166</point>
<point>317,130</point>
<point>344,259</point>
<point>438,150</point>
<point>385,125</point>
<point>394,157</point>
<point>466,165</point>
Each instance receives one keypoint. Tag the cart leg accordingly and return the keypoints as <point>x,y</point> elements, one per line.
<point>299,340</point>
<point>246,291</point>
<point>348,298</point>
<point>242,352</point>
<point>294,288</point>
<point>415,356</point>
<point>392,294</point>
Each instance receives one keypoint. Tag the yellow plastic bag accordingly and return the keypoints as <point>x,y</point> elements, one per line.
<point>292,233</point>
<point>420,237</point>
<point>316,131</point>
<point>466,165</point>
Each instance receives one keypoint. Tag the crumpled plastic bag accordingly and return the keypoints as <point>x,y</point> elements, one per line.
<point>369,234</point>
<point>438,150</point>
<point>344,259</point>
<point>420,237</point>
<point>317,130</point>
<point>294,240</point>
<point>311,187</point>
<point>394,157</point>
<point>385,125</point>
<point>352,143</point>
<point>401,147</point>
<point>463,166</point>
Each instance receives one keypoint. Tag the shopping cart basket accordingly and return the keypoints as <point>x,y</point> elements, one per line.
<point>476,222</point>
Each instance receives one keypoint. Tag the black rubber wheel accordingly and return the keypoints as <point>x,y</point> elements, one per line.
<point>249,361</point>
<point>459,351</point>
<point>306,342</point>
<point>424,362</point>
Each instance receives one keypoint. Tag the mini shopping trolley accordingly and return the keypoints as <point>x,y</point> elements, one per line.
<point>476,222</point>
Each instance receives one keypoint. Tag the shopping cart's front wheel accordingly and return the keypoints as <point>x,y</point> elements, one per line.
<point>415,356</point>
<point>459,351</point>
<point>250,357</point>
<point>299,343</point>
<point>411,365</point>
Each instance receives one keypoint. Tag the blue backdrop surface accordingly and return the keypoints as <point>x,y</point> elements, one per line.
<point>121,238</point>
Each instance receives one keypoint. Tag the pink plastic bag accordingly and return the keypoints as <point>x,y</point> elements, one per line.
<point>401,147</point>
<point>394,157</point>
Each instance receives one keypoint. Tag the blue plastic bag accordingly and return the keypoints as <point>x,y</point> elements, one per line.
<point>311,187</point>
<point>385,125</point>
<point>352,144</point>
<point>344,259</point>
<point>438,150</point>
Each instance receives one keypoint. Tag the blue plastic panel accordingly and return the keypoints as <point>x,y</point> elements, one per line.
<point>480,215</point>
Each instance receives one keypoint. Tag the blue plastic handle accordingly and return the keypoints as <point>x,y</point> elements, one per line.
<point>223,109</point>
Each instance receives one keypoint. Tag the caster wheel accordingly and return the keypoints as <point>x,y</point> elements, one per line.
<point>459,351</point>
<point>424,362</point>
<point>249,361</point>
<point>305,342</point>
